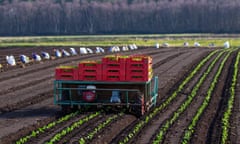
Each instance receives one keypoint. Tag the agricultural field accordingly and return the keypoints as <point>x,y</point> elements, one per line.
<point>198,99</point>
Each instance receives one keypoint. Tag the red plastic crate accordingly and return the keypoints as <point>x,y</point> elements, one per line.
<point>66,73</point>
<point>139,75</point>
<point>113,65</point>
<point>138,63</point>
<point>114,68</point>
<point>90,70</point>
<point>113,78</point>
<point>89,65</point>
<point>139,59</point>
<point>139,68</point>
<point>114,59</point>
<point>113,75</point>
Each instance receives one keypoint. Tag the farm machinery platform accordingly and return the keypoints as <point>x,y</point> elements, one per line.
<point>115,82</point>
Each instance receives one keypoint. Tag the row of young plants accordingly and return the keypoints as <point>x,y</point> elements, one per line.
<point>151,115</point>
<point>43,129</point>
<point>191,127</point>
<point>70,128</point>
<point>91,134</point>
<point>228,112</point>
<point>163,129</point>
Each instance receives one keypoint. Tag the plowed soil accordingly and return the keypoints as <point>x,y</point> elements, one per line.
<point>27,98</point>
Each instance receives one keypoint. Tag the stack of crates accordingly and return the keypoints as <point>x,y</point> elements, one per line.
<point>139,68</point>
<point>90,71</point>
<point>111,68</point>
<point>66,73</point>
<point>114,68</point>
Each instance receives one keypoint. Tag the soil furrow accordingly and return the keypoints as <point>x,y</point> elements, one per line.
<point>170,64</point>
<point>75,136</point>
<point>22,94</point>
<point>26,102</point>
<point>121,132</point>
<point>114,129</point>
<point>175,72</point>
<point>235,121</point>
<point>150,130</point>
<point>175,132</point>
<point>53,132</point>
<point>12,122</point>
<point>200,135</point>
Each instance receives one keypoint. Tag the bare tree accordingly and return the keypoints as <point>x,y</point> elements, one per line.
<point>57,17</point>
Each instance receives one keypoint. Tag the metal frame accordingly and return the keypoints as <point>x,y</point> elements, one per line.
<point>58,89</point>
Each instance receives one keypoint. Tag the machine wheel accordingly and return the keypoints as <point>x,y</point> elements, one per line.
<point>139,109</point>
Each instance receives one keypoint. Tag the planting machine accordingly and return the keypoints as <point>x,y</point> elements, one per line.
<point>116,82</point>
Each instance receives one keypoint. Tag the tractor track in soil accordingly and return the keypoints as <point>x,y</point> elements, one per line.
<point>155,53</point>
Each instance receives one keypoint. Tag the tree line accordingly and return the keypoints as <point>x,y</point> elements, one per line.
<point>76,17</point>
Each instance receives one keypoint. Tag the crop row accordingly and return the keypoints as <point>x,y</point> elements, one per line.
<point>70,128</point>
<point>40,130</point>
<point>91,134</point>
<point>149,117</point>
<point>190,130</point>
<point>228,112</point>
<point>163,129</point>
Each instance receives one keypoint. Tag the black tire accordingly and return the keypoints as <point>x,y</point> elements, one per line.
<point>138,110</point>
<point>66,108</point>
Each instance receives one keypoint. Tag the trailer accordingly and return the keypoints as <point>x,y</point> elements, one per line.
<point>107,85</point>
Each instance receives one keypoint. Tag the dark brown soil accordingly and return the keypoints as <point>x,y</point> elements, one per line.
<point>27,102</point>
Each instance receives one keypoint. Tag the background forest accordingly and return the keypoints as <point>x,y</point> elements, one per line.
<point>76,17</point>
